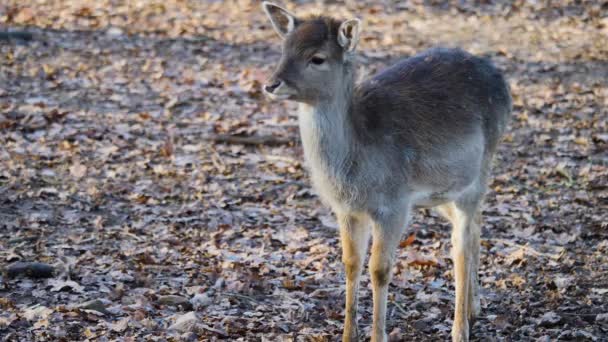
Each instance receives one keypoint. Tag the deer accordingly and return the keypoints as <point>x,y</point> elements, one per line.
<point>421,133</point>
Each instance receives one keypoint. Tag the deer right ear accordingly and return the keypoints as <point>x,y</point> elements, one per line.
<point>282,20</point>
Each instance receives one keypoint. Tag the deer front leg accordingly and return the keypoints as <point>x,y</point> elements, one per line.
<point>386,231</point>
<point>354,236</point>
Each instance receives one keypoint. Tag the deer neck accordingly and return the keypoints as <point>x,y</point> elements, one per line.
<point>327,130</point>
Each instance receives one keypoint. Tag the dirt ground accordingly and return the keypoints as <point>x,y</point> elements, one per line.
<point>119,168</point>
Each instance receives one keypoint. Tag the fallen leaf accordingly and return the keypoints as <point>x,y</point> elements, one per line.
<point>121,325</point>
<point>65,285</point>
<point>200,301</point>
<point>94,305</point>
<point>174,300</point>
<point>410,239</point>
<point>78,170</point>
<point>516,256</point>
<point>25,15</point>
<point>549,319</point>
<point>37,312</point>
<point>185,322</point>
<point>416,259</point>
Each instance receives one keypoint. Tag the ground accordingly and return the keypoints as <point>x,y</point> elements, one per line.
<point>119,168</point>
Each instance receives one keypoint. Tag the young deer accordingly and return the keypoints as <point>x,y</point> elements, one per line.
<point>420,134</point>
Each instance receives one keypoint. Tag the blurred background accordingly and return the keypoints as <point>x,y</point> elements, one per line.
<point>164,197</point>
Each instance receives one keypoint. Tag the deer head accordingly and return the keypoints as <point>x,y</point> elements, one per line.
<point>316,63</point>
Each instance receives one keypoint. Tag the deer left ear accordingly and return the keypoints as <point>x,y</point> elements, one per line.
<point>348,34</point>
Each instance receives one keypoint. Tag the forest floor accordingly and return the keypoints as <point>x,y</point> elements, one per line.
<point>118,169</point>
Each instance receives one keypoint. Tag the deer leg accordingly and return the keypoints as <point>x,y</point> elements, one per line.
<point>474,303</point>
<point>354,236</point>
<point>387,230</point>
<point>465,255</point>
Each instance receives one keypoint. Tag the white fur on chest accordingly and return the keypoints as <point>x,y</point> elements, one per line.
<point>327,155</point>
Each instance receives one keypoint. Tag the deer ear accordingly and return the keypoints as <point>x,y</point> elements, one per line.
<point>282,20</point>
<point>348,34</point>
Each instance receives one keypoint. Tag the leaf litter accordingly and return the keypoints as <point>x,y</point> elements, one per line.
<point>164,198</point>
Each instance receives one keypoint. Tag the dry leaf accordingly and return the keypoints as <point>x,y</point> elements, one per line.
<point>24,16</point>
<point>137,141</point>
<point>37,312</point>
<point>78,170</point>
<point>121,325</point>
<point>410,239</point>
<point>416,259</point>
<point>65,285</point>
<point>185,322</point>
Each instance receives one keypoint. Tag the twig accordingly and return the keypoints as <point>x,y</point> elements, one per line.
<point>325,290</point>
<point>284,185</point>
<point>232,294</point>
<point>311,260</point>
<point>398,306</point>
<point>577,314</point>
<point>528,249</point>
<point>216,159</point>
<point>129,234</point>
<point>290,300</point>
<point>270,157</point>
<point>206,327</point>
<point>17,35</point>
<point>250,140</point>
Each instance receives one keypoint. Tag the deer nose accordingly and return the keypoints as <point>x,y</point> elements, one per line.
<point>272,87</point>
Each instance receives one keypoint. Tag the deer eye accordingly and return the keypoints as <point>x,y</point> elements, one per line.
<point>317,60</point>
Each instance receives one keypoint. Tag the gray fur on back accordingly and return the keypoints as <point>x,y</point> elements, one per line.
<point>432,98</point>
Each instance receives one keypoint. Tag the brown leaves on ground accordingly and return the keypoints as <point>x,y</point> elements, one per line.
<point>167,199</point>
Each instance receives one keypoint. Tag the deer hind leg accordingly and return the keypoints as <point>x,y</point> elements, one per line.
<point>386,232</point>
<point>354,236</point>
<point>474,302</point>
<point>465,254</point>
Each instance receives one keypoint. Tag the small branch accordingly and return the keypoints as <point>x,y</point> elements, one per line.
<point>528,248</point>
<point>317,292</point>
<point>249,140</point>
<point>206,327</point>
<point>238,295</point>
<point>400,308</point>
<point>16,35</point>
